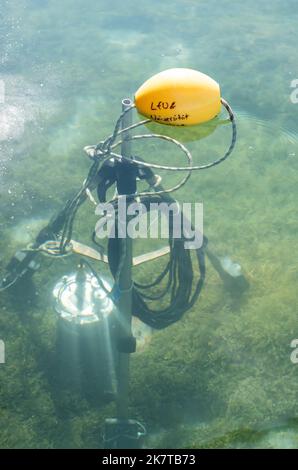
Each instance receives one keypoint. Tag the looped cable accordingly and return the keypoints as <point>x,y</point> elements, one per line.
<point>103,151</point>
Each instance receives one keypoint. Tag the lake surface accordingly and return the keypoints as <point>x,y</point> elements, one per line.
<point>223,375</point>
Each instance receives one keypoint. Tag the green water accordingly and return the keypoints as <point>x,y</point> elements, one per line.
<point>222,376</point>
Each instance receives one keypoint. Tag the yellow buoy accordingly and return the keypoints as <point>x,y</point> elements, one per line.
<point>179,97</point>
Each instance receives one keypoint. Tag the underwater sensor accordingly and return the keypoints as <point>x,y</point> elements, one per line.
<point>80,299</point>
<point>86,353</point>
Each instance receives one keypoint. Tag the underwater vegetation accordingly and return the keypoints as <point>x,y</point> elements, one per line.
<point>222,376</point>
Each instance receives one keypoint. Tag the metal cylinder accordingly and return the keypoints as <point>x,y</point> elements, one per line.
<point>86,335</point>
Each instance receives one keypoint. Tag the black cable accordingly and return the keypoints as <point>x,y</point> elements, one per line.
<point>181,286</point>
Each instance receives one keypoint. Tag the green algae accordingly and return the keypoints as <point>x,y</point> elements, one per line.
<point>222,376</point>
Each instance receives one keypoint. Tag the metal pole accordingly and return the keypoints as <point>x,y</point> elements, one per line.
<point>125,286</point>
<point>122,432</point>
